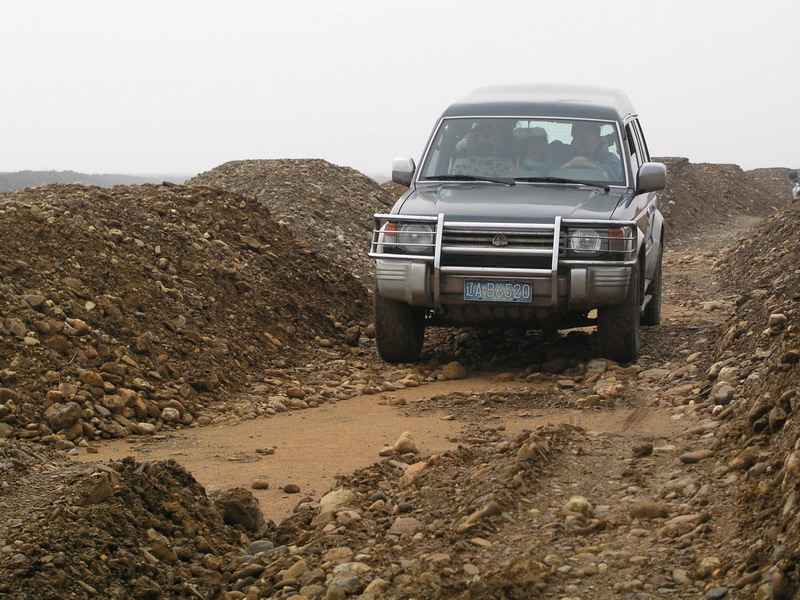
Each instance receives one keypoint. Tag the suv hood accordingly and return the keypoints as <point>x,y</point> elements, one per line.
<point>531,203</point>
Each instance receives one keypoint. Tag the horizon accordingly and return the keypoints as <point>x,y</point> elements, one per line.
<point>383,175</point>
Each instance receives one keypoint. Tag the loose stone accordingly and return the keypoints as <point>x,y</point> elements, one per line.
<point>642,449</point>
<point>405,444</point>
<point>403,525</point>
<point>454,370</point>
<point>645,508</point>
<point>695,456</point>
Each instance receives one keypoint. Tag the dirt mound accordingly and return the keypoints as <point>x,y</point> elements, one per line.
<point>701,196</point>
<point>148,530</point>
<point>115,527</point>
<point>764,270</point>
<point>756,384</point>
<point>328,206</point>
<point>411,519</point>
<point>128,309</point>
<point>774,180</point>
<point>394,190</point>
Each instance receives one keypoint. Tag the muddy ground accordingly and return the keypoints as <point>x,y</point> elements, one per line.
<point>186,414</point>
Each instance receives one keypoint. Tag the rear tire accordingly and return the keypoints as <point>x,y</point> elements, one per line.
<point>652,311</point>
<point>618,325</point>
<point>399,330</point>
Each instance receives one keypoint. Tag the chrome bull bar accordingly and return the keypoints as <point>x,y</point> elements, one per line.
<point>421,238</point>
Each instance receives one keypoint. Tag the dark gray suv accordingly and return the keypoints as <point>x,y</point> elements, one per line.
<point>533,206</point>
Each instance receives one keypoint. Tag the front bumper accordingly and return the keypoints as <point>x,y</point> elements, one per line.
<point>561,282</point>
<point>580,289</point>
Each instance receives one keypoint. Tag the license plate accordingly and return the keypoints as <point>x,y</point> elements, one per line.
<point>483,290</point>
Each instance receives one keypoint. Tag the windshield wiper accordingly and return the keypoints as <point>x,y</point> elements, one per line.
<point>605,188</point>
<point>506,181</point>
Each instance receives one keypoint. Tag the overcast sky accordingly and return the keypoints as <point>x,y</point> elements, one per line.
<point>182,86</point>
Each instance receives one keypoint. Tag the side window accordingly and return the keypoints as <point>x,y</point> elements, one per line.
<point>634,144</point>
<point>642,143</point>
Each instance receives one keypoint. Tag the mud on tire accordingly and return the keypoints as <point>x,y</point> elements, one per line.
<point>618,326</point>
<point>399,330</point>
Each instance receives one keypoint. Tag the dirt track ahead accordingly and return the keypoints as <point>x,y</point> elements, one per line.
<point>312,448</point>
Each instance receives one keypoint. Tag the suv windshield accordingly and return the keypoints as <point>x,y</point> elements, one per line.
<point>525,149</point>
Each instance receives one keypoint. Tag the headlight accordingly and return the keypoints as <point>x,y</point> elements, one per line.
<point>415,238</point>
<point>617,241</point>
<point>587,241</point>
<point>411,238</point>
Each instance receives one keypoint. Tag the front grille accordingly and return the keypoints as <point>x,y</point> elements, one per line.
<point>498,239</point>
<point>483,242</point>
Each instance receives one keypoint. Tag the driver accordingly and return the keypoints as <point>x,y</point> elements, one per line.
<point>588,152</point>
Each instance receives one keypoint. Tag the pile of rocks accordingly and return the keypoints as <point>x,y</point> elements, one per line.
<point>701,197</point>
<point>756,389</point>
<point>373,531</point>
<point>394,190</point>
<point>123,530</point>
<point>327,206</point>
<point>130,309</point>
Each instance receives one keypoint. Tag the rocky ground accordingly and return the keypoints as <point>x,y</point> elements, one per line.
<point>137,311</point>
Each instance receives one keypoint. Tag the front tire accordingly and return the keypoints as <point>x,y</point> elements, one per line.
<point>399,330</point>
<point>618,325</point>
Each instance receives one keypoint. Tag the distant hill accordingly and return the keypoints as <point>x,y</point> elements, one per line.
<point>19,180</point>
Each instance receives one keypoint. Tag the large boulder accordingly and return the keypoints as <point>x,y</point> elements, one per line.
<point>239,507</point>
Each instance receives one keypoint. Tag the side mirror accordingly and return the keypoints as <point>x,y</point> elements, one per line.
<point>793,175</point>
<point>403,170</point>
<point>651,177</point>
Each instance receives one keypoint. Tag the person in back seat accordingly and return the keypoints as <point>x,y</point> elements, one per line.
<point>538,158</point>
<point>483,152</point>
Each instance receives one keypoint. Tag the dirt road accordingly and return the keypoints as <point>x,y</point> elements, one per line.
<point>311,448</point>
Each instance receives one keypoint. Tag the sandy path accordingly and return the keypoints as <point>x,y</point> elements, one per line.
<point>313,446</point>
